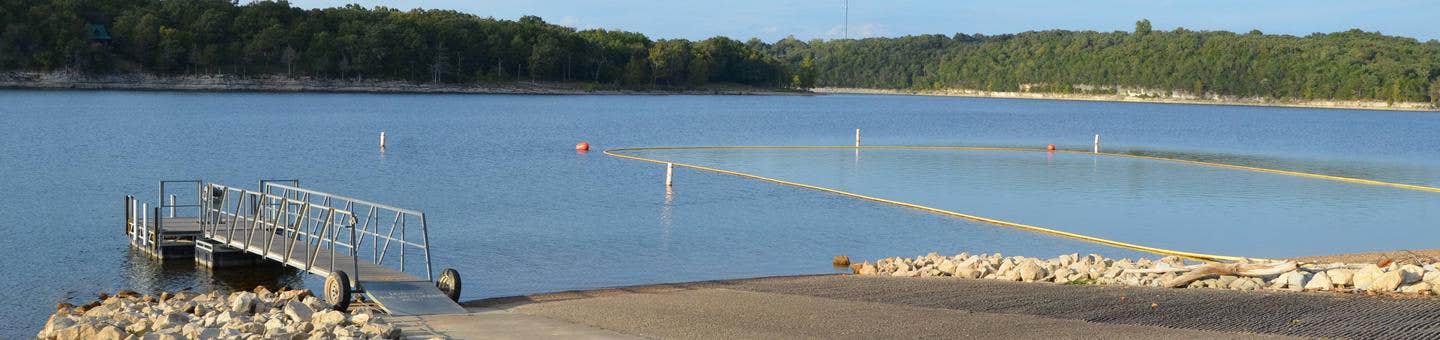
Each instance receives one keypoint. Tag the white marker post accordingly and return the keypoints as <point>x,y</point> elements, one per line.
<point>857,138</point>
<point>382,140</point>
<point>1097,144</point>
<point>669,174</point>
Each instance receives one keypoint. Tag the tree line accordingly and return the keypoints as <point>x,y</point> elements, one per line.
<point>194,37</point>
<point>268,38</point>
<point>1350,65</point>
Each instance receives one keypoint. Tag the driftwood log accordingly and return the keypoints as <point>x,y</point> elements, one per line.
<point>1212,270</point>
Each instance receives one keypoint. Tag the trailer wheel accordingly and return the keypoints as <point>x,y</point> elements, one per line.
<point>449,283</point>
<point>338,291</point>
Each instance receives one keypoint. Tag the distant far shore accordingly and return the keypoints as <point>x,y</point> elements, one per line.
<point>1324,104</point>
<point>227,83</point>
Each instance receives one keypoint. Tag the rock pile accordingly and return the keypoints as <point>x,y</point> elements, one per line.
<point>1384,278</point>
<point>259,314</point>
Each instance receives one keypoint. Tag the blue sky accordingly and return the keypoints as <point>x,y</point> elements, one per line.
<point>775,19</point>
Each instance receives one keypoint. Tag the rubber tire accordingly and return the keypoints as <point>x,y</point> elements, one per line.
<point>338,291</point>
<point>449,283</point>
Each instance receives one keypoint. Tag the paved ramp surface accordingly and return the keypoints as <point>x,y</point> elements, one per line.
<point>1332,315</point>
<point>411,298</point>
<point>846,306</point>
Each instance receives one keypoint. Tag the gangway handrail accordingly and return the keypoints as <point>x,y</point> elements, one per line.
<point>288,223</point>
<point>366,228</point>
<point>269,185</point>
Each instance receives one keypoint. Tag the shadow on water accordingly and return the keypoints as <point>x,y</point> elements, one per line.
<point>148,276</point>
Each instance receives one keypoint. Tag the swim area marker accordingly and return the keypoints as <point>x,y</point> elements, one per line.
<point>619,152</point>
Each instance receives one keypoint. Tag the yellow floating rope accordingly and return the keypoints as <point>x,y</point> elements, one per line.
<point>1161,251</point>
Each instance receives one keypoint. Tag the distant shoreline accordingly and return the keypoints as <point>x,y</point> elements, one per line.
<point>1351,105</point>
<point>135,82</point>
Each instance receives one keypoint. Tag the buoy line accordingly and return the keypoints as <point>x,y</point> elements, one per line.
<point>619,153</point>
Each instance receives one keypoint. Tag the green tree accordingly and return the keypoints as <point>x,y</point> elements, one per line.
<point>668,60</point>
<point>1435,92</point>
<point>804,77</point>
<point>637,71</point>
<point>1142,27</point>
<point>545,58</point>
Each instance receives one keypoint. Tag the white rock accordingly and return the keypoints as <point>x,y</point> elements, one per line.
<point>274,324</point>
<point>242,302</point>
<point>328,318</point>
<point>1411,273</point>
<point>948,267</point>
<point>169,321</point>
<point>298,312</point>
<point>347,331</point>
<point>1030,271</point>
<point>1320,281</point>
<point>1416,288</point>
<point>1341,277</point>
<point>1387,282</point>
<point>1431,276</point>
<point>361,319</point>
<point>315,304</point>
<point>1063,275</point>
<point>108,332</point>
<point>141,326</point>
<point>1365,276</point>
<point>382,330</point>
<point>1296,280</point>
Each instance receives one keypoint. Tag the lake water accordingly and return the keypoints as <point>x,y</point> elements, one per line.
<point>517,211</point>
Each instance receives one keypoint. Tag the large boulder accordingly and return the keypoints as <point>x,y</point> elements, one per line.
<point>329,318</point>
<point>1341,277</point>
<point>381,330</point>
<point>167,321</point>
<point>243,302</point>
<point>1319,281</point>
<point>1387,282</point>
<point>298,312</point>
<point>948,267</point>
<point>866,269</point>
<point>1365,276</point>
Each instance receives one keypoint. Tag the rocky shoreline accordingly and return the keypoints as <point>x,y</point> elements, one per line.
<point>1410,278</point>
<point>258,314</point>
<point>230,83</point>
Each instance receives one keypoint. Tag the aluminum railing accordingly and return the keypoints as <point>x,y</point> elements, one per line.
<point>372,219</point>
<point>138,224</point>
<point>255,221</point>
<point>169,206</point>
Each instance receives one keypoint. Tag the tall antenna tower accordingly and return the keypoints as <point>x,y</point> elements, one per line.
<point>847,19</point>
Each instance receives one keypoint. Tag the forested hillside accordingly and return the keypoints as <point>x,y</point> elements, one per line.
<point>1351,65</point>
<point>188,37</point>
<point>273,38</point>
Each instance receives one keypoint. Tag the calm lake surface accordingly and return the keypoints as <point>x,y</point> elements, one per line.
<point>516,210</point>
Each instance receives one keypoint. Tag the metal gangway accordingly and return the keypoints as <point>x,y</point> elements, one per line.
<point>365,250</point>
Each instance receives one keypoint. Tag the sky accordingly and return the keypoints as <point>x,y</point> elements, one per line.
<point>771,20</point>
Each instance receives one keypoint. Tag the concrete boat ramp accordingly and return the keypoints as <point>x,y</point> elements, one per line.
<point>367,252</point>
<point>868,307</point>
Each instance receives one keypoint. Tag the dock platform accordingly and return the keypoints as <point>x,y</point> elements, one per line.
<point>380,255</point>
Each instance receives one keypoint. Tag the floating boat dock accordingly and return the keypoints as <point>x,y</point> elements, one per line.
<point>366,251</point>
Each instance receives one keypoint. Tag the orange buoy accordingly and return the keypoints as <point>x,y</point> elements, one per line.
<point>1050,147</point>
<point>582,146</point>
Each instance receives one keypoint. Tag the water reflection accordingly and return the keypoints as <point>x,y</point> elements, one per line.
<point>148,276</point>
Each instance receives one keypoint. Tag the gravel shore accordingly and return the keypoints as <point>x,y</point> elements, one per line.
<point>259,314</point>
<point>1413,276</point>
